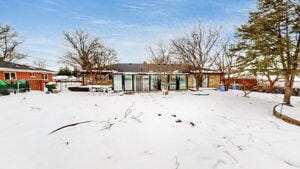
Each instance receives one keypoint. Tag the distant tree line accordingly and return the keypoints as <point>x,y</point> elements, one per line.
<point>66,71</point>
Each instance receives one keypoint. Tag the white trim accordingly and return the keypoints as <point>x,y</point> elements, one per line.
<point>24,70</point>
<point>44,75</point>
<point>98,71</point>
<point>16,78</point>
<point>150,73</point>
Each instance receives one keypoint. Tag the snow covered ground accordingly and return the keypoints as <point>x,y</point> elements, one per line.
<point>140,131</point>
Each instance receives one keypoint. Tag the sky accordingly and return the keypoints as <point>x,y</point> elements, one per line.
<point>128,26</point>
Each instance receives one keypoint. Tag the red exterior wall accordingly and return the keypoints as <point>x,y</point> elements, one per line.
<point>1,75</point>
<point>36,82</point>
<point>251,83</point>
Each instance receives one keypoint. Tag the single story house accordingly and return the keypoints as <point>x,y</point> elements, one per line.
<point>148,77</point>
<point>36,77</point>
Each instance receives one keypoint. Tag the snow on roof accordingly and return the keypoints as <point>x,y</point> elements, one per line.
<point>61,77</point>
<point>10,66</point>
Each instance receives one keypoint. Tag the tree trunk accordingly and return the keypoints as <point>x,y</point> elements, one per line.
<point>270,89</point>
<point>199,79</point>
<point>288,88</point>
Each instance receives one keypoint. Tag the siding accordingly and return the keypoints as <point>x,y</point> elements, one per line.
<point>214,80</point>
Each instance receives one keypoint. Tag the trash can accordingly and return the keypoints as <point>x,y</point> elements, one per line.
<point>234,87</point>
<point>50,87</point>
<point>222,88</point>
<point>23,86</point>
<point>4,88</point>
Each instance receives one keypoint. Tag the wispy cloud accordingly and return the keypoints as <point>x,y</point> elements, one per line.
<point>127,26</point>
<point>135,7</point>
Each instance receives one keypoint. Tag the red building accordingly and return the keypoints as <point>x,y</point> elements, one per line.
<point>36,77</point>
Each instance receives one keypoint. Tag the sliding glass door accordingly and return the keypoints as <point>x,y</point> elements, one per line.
<point>118,83</point>
<point>128,82</point>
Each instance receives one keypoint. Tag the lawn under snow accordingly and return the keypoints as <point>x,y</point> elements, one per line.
<point>230,131</point>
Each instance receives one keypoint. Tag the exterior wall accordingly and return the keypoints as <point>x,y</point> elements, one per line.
<point>89,79</point>
<point>214,80</point>
<point>1,75</point>
<point>144,83</point>
<point>191,81</point>
<point>250,83</point>
<point>36,82</point>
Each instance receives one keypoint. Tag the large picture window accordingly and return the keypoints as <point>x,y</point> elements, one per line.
<point>164,81</point>
<point>145,83</point>
<point>128,82</point>
<point>154,82</point>
<point>182,82</point>
<point>172,82</point>
<point>118,82</point>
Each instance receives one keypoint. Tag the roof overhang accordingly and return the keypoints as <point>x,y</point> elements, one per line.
<point>24,70</point>
<point>98,71</point>
<point>151,73</point>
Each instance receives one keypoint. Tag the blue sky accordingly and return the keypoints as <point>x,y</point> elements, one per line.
<point>128,26</point>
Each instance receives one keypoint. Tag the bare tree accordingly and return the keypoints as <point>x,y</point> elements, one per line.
<point>82,49</point>
<point>40,63</point>
<point>87,52</point>
<point>104,56</point>
<point>162,56</point>
<point>226,60</point>
<point>8,44</point>
<point>199,49</point>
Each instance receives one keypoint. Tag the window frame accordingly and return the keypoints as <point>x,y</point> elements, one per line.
<point>44,76</point>
<point>128,82</point>
<point>10,75</point>
<point>32,74</point>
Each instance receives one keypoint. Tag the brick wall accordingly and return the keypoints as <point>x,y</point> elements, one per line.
<point>1,75</point>
<point>251,83</point>
<point>36,82</point>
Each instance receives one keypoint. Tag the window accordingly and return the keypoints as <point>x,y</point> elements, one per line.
<point>7,76</point>
<point>172,82</point>
<point>32,74</point>
<point>182,82</point>
<point>128,82</point>
<point>154,82</point>
<point>145,83</point>
<point>164,82</point>
<point>118,83</point>
<point>44,76</point>
<point>205,81</point>
<point>10,76</point>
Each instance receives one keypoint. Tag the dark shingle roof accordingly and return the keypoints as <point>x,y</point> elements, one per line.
<point>136,67</point>
<point>10,65</point>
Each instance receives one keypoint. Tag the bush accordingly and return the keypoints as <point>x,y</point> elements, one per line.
<point>4,91</point>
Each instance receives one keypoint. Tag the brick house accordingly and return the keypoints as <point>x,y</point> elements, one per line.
<point>36,77</point>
